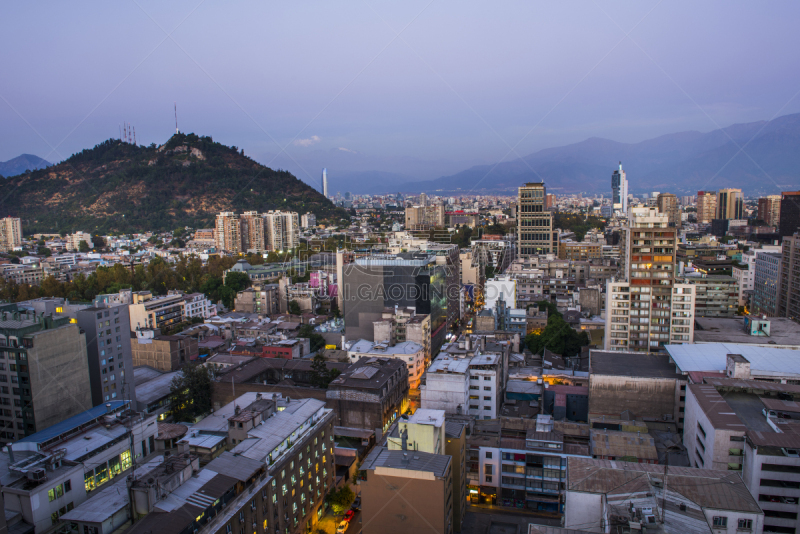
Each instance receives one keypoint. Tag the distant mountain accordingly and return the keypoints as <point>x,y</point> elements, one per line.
<point>21,164</point>
<point>682,162</point>
<point>121,187</point>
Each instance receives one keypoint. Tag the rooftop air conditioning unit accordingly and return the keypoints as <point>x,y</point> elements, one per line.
<point>37,475</point>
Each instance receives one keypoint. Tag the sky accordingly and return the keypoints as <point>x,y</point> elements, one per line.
<point>420,88</point>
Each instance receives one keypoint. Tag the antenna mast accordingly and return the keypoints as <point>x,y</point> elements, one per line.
<point>120,132</point>
<point>176,119</point>
<point>134,136</point>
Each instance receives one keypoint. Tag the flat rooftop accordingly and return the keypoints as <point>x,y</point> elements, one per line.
<point>782,331</point>
<point>399,461</point>
<point>74,422</point>
<point>764,361</point>
<point>425,416</point>
<point>632,364</point>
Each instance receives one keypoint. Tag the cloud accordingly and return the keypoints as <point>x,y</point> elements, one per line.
<point>343,149</point>
<point>308,142</point>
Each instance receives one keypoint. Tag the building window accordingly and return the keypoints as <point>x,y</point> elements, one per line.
<point>488,480</point>
<point>488,455</point>
<point>745,524</point>
<point>720,521</point>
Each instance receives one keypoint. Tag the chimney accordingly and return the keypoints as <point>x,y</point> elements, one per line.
<point>258,396</point>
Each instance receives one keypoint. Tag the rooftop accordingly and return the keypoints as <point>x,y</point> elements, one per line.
<point>632,364</point>
<point>74,423</point>
<point>427,417</point>
<point>721,490</point>
<point>764,361</point>
<point>782,331</point>
<point>155,389</point>
<point>367,373</point>
<point>393,463</point>
<point>370,347</point>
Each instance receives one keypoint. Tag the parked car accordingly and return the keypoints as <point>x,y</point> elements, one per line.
<point>348,515</point>
<point>342,527</point>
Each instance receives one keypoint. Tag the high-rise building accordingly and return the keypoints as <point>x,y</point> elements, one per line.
<point>44,372</point>
<point>769,210</point>
<point>374,283</point>
<point>619,191</point>
<point>730,204</point>
<point>254,232</point>
<point>706,206</point>
<point>423,199</point>
<point>425,217</point>
<point>283,230</point>
<point>108,347</point>
<point>765,284</point>
<point>228,233</point>
<point>535,234</point>
<point>667,204</point>
<point>790,213</point>
<point>325,183</point>
<point>10,233</point>
<point>789,288</point>
<point>550,201</point>
<point>646,308</point>
<point>308,220</point>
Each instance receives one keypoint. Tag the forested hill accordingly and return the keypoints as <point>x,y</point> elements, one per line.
<point>121,187</point>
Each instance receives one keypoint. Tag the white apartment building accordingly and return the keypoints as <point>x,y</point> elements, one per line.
<point>197,305</point>
<point>485,390</point>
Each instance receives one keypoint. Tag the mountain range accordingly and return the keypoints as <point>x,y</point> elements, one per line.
<point>21,164</point>
<point>758,157</point>
<point>121,187</point>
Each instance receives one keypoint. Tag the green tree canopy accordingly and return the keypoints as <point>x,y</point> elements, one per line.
<point>190,393</point>
<point>558,337</point>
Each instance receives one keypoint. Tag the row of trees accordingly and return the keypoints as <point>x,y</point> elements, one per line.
<point>188,274</point>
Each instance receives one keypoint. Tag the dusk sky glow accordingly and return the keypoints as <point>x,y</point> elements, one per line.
<point>452,83</point>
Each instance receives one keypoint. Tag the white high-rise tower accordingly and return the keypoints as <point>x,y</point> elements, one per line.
<point>325,183</point>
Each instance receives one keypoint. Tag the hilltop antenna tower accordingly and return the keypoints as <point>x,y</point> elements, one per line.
<point>120,132</point>
<point>134,136</point>
<point>176,119</point>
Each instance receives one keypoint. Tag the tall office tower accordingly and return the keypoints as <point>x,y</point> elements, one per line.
<point>769,210</point>
<point>282,230</point>
<point>789,287</point>
<point>706,206</point>
<point>730,204</point>
<point>619,191</point>
<point>10,233</point>
<point>550,201</point>
<point>423,199</point>
<point>325,183</point>
<point>535,234</point>
<point>228,232</point>
<point>766,282</point>
<point>667,204</point>
<point>790,213</point>
<point>254,232</point>
<point>645,308</point>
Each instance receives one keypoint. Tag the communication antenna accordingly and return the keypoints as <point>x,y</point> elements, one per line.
<point>134,136</point>
<point>176,119</point>
<point>120,132</point>
<point>130,135</point>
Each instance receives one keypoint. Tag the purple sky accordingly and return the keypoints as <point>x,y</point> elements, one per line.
<point>464,81</point>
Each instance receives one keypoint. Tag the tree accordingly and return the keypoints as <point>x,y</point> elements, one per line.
<point>98,242</point>
<point>341,500</point>
<point>237,281</point>
<point>294,307</point>
<point>335,308</point>
<point>83,246</point>
<point>558,337</point>
<point>321,376</point>
<point>44,251</point>
<point>190,393</point>
<point>317,341</point>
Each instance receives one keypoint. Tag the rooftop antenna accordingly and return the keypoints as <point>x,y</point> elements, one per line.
<point>176,119</point>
